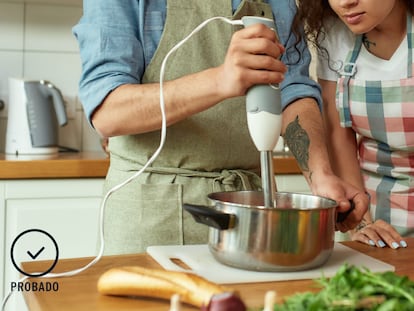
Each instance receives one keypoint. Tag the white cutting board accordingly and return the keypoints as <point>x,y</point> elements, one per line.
<point>202,263</point>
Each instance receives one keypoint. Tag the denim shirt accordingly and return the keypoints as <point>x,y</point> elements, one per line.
<point>117,40</point>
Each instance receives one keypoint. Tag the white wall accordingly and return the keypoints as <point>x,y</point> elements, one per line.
<point>36,43</point>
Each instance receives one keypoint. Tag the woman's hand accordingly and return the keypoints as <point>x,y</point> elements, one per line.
<point>378,233</point>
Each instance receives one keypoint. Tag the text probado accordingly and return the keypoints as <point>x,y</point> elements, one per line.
<point>34,286</point>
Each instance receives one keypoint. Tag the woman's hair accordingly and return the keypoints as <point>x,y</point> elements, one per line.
<point>314,15</point>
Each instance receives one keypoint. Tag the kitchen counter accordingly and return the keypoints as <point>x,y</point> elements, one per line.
<point>89,164</point>
<point>62,165</point>
<point>79,292</point>
<point>285,163</point>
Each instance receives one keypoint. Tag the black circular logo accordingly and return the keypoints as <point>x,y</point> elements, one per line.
<point>32,244</point>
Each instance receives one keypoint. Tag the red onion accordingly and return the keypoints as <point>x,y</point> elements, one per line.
<point>225,302</point>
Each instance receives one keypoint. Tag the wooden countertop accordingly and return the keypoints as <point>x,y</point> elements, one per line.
<point>285,164</point>
<point>62,165</point>
<point>89,164</point>
<point>79,292</point>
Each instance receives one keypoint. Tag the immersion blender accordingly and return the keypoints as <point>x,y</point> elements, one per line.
<point>264,120</point>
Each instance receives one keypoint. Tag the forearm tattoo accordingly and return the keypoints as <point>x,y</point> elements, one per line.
<point>298,142</point>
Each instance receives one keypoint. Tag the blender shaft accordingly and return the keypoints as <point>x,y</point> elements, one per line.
<point>268,178</point>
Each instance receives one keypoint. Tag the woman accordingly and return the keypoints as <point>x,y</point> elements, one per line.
<point>365,61</point>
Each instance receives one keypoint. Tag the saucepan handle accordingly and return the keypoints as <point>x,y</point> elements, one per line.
<point>340,217</point>
<point>211,217</point>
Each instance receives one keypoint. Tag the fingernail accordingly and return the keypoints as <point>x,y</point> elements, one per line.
<point>395,245</point>
<point>371,242</point>
<point>403,244</point>
<point>381,243</point>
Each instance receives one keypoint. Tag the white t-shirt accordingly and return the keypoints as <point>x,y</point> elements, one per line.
<point>339,41</point>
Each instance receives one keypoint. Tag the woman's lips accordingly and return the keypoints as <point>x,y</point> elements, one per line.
<point>353,18</point>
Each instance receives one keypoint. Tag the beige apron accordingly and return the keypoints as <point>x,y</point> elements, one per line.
<point>208,152</point>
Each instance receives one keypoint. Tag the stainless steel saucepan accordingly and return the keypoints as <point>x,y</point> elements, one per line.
<point>297,234</point>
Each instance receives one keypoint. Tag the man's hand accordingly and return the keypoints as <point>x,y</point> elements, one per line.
<point>252,58</point>
<point>343,193</point>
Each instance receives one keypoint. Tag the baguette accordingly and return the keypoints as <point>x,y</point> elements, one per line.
<point>157,283</point>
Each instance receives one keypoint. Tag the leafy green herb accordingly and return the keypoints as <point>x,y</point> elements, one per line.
<point>352,288</point>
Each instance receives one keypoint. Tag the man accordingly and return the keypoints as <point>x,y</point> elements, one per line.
<point>208,147</point>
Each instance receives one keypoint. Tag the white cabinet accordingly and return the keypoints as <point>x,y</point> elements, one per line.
<point>67,209</point>
<point>292,183</point>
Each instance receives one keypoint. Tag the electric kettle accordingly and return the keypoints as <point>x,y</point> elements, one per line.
<point>36,110</point>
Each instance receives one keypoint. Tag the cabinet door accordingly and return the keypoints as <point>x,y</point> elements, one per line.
<point>292,183</point>
<point>2,239</point>
<point>67,210</point>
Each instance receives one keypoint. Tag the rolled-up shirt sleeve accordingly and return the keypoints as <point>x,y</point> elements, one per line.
<point>110,51</point>
<point>297,83</point>
<point>117,40</point>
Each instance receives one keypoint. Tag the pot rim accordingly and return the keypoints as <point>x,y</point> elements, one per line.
<point>329,202</point>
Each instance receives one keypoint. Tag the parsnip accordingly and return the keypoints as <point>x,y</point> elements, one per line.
<point>157,283</point>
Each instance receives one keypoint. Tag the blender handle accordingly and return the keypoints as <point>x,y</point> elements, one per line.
<point>211,217</point>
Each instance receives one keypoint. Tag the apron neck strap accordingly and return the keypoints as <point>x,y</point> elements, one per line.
<point>349,69</point>
<point>410,44</point>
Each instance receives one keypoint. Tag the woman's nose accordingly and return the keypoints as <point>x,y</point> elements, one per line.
<point>347,3</point>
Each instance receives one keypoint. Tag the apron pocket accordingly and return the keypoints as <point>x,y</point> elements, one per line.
<point>140,215</point>
<point>162,217</point>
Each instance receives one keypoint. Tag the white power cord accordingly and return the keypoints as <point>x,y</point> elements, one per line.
<point>149,162</point>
